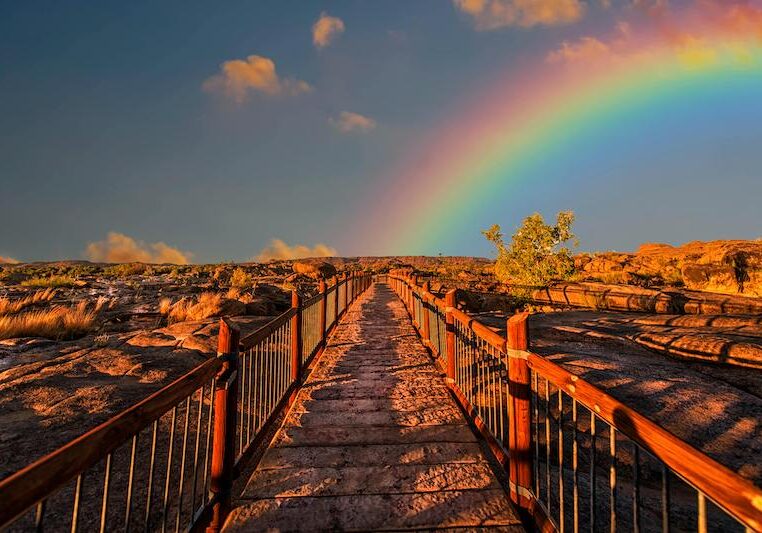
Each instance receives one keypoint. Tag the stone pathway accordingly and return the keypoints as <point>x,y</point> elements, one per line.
<point>374,442</point>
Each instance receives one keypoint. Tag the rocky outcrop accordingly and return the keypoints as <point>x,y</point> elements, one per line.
<point>611,297</point>
<point>725,267</point>
<point>314,269</point>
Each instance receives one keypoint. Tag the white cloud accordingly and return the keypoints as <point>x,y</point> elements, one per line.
<point>278,249</point>
<point>348,122</point>
<point>494,14</point>
<point>120,248</point>
<point>238,77</point>
<point>326,29</point>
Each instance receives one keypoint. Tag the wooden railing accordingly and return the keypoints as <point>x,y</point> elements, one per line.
<point>169,462</point>
<point>576,458</point>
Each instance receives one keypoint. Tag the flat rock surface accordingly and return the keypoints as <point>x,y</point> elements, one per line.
<point>374,442</point>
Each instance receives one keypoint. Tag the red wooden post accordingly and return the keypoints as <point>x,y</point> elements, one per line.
<point>223,443</point>
<point>323,305</point>
<point>425,293</point>
<point>336,299</point>
<point>519,397</point>
<point>296,343</point>
<point>450,329</point>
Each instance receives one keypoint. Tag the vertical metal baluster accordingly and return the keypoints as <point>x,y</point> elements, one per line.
<point>195,451</point>
<point>241,395</point>
<point>547,447</point>
<point>39,516</point>
<point>665,498</point>
<point>575,474</point>
<point>249,411</point>
<point>209,423</point>
<point>75,511</point>
<point>702,524</point>
<point>168,477</point>
<point>592,471</point>
<point>128,505</point>
<point>150,475</point>
<point>536,427</point>
<point>502,384</point>
<point>106,483</point>
<point>181,482</point>
<point>635,488</point>
<point>561,516</point>
<point>612,478</point>
<point>259,385</point>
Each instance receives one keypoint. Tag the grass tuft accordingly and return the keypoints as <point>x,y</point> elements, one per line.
<point>52,281</point>
<point>61,322</point>
<point>208,304</point>
<point>11,307</point>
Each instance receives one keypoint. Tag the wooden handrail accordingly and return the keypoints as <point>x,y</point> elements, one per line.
<point>262,333</point>
<point>26,487</point>
<point>738,496</point>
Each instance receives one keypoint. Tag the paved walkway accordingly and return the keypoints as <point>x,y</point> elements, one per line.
<point>374,442</point>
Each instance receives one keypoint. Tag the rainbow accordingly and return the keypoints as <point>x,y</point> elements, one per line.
<point>533,113</point>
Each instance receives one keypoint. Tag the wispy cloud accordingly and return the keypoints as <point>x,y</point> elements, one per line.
<point>326,29</point>
<point>698,37</point>
<point>348,122</point>
<point>238,77</point>
<point>7,260</point>
<point>278,249</point>
<point>120,248</point>
<point>494,14</point>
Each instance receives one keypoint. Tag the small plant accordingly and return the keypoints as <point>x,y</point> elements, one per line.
<point>60,322</point>
<point>9,307</point>
<point>125,269</point>
<point>165,304</point>
<point>208,304</point>
<point>51,281</point>
<point>240,279</point>
<point>538,252</point>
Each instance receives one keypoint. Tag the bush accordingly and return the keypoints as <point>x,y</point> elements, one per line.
<point>51,281</point>
<point>241,279</point>
<point>125,269</point>
<point>537,254</point>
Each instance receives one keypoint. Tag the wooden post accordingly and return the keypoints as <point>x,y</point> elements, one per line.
<point>223,443</point>
<point>336,300</point>
<point>450,329</point>
<point>296,343</point>
<point>426,326</point>
<point>323,305</point>
<point>519,397</point>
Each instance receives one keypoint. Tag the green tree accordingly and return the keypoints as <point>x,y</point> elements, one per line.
<point>538,253</point>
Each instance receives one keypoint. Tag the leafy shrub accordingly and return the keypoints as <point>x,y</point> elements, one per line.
<point>538,252</point>
<point>240,279</point>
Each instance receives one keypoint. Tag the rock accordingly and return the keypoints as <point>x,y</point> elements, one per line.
<point>314,269</point>
<point>231,308</point>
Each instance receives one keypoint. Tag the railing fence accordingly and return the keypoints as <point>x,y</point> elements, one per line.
<point>169,462</point>
<point>576,457</point>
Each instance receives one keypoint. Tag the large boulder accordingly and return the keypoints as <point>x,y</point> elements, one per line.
<point>314,269</point>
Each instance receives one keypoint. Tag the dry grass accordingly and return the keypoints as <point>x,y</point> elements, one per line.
<point>11,307</point>
<point>60,322</point>
<point>208,304</point>
<point>52,281</point>
<point>165,304</point>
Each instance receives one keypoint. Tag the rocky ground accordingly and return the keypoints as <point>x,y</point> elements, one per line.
<point>149,329</point>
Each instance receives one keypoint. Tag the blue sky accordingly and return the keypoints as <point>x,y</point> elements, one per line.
<point>105,126</point>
